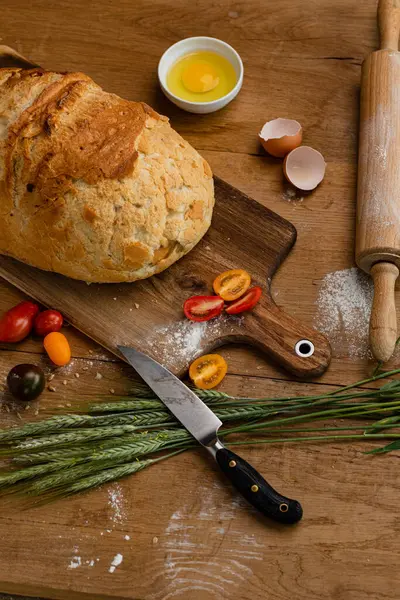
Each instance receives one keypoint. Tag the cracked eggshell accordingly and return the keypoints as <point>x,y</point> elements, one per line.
<point>280,136</point>
<point>305,168</point>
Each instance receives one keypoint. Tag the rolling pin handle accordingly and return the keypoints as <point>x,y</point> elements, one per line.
<point>383,323</point>
<point>389,24</point>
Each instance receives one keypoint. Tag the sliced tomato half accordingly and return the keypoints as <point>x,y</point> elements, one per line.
<point>208,371</point>
<point>246,302</point>
<point>203,308</point>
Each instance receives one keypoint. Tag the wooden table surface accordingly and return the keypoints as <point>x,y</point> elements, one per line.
<point>182,532</point>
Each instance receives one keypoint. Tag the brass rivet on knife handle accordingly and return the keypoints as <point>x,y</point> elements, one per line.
<point>254,488</point>
<point>378,206</point>
<point>232,464</point>
<point>283,507</point>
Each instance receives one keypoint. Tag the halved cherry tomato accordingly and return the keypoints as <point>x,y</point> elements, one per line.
<point>57,347</point>
<point>208,371</point>
<point>17,323</point>
<point>230,285</point>
<point>48,321</point>
<point>203,308</point>
<point>246,302</point>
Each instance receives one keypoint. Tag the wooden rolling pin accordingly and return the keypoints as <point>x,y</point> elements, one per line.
<point>378,198</point>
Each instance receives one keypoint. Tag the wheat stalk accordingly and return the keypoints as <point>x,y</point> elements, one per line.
<point>84,450</point>
<point>71,453</point>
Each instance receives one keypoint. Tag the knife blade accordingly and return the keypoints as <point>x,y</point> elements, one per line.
<point>203,425</point>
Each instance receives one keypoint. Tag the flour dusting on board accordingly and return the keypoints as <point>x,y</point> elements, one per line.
<point>117,503</point>
<point>343,310</point>
<point>175,343</point>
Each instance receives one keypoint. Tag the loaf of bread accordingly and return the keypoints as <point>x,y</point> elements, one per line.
<point>93,186</point>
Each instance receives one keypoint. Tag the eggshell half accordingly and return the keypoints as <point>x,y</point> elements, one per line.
<point>280,136</point>
<point>304,167</point>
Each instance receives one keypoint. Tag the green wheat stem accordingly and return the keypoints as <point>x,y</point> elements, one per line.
<point>100,477</point>
<point>319,438</point>
<point>38,456</point>
<point>371,408</point>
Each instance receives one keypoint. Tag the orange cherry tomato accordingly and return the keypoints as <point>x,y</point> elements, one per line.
<point>57,348</point>
<point>230,285</point>
<point>208,371</point>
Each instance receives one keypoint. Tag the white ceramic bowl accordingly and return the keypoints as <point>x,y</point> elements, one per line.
<point>193,44</point>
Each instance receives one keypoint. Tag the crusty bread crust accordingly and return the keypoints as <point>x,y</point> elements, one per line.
<point>93,186</point>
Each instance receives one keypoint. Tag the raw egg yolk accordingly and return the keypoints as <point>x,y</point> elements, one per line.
<point>200,77</point>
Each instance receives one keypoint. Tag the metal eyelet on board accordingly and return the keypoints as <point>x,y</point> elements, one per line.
<point>304,348</point>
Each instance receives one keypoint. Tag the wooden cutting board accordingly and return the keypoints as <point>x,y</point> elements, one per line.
<point>148,314</point>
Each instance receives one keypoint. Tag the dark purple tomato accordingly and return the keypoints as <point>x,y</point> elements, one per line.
<point>26,382</point>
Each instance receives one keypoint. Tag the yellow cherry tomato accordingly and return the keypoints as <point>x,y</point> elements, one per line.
<point>208,371</point>
<point>231,285</point>
<point>57,348</point>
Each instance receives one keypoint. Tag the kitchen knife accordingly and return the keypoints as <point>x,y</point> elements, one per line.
<point>203,425</point>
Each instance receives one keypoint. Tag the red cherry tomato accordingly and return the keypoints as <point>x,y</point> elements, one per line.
<point>48,321</point>
<point>203,308</point>
<point>17,323</point>
<point>246,302</point>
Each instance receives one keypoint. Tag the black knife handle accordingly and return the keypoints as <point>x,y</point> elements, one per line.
<point>256,490</point>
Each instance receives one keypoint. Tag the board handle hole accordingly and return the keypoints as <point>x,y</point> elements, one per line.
<point>304,348</point>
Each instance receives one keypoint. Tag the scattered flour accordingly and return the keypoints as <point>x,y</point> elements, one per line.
<point>198,562</point>
<point>76,562</point>
<point>116,561</point>
<point>117,503</point>
<point>343,310</point>
<point>290,195</point>
<point>182,341</point>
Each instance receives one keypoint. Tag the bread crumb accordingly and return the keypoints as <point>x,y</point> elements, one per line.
<point>112,391</point>
<point>77,375</point>
<point>7,408</point>
<point>85,368</point>
<point>136,305</point>
<point>51,388</point>
<point>99,376</point>
<point>114,298</point>
<point>27,407</point>
<point>155,540</point>
<point>51,377</point>
<point>68,404</point>
<point>36,412</point>
<point>19,416</point>
<point>65,382</point>
<point>131,309</point>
